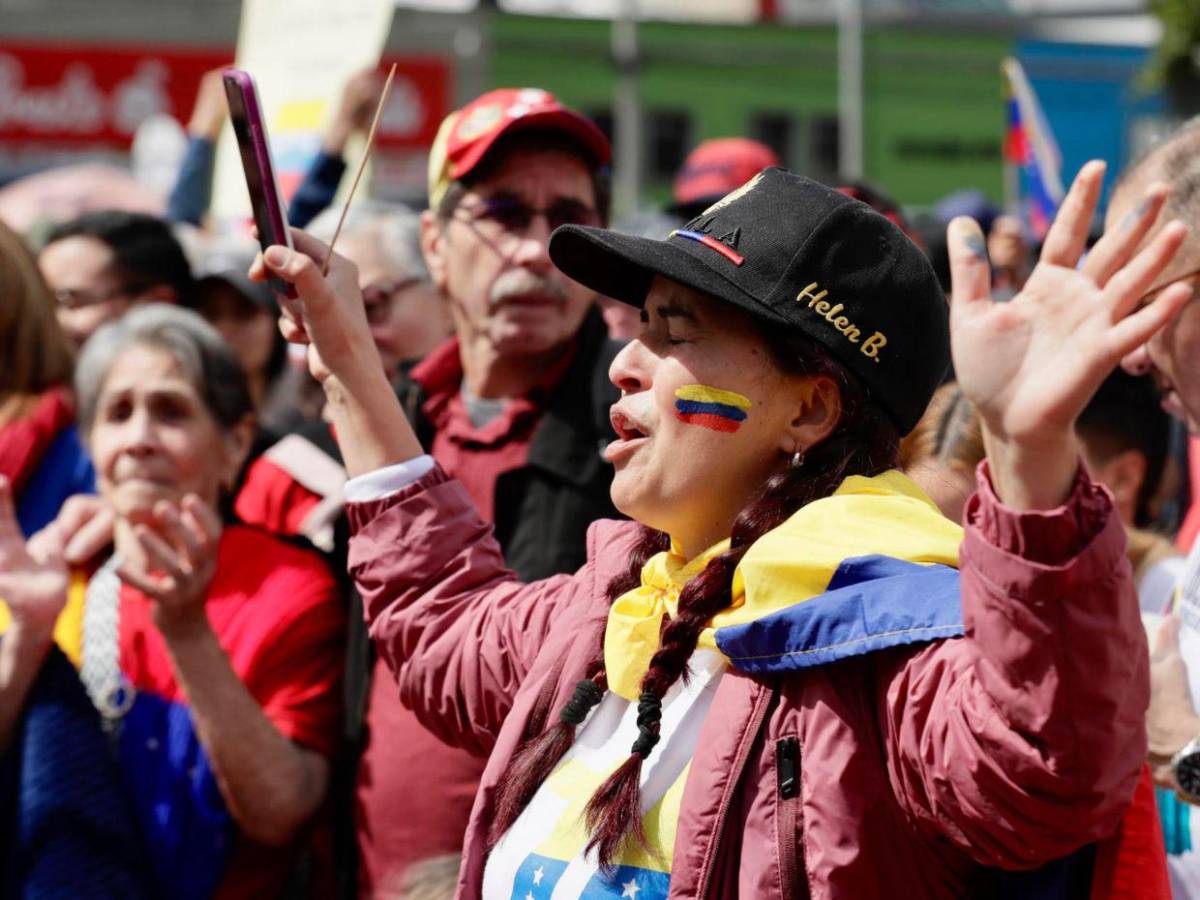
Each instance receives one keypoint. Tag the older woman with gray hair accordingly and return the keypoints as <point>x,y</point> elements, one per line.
<point>406,315</point>
<point>210,653</point>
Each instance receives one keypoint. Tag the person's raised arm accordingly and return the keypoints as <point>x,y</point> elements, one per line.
<point>189,198</point>
<point>1025,739</point>
<point>329,316</point>
<point>1031,365</point>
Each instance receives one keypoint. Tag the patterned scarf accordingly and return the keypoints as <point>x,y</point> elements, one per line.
<point>886,515</point>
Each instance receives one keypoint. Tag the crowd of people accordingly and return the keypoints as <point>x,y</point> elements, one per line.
<point>774,545</point>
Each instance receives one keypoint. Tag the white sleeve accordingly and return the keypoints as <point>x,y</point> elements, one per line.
<point>386,481</point>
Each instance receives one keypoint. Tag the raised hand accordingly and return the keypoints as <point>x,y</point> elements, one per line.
<point>33,575</point>
<point>176,564</point>
<point>328,314</point>
<point>211,109</point>
<point>1031,365</point>
<point>360,96</point>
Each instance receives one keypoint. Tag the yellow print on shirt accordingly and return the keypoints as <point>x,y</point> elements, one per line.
<point>575,783</point>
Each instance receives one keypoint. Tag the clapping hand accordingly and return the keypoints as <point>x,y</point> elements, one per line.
<point>33,575</point>
<point>1031,365</point>
<point>176,563</point>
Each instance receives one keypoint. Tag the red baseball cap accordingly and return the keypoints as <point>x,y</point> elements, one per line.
<point>718,166</point>
<point>466,135</point>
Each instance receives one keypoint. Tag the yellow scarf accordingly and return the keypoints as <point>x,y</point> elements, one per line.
<point>68,628</point>
<point>886,515</point>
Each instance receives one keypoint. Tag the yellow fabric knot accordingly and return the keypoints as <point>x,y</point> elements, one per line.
<point>635,619</point>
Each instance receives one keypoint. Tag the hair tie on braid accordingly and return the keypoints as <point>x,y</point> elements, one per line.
<point>648,720</point>
<point>587,694</point>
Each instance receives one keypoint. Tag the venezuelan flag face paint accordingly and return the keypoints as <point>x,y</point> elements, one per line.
<point>709,407</point>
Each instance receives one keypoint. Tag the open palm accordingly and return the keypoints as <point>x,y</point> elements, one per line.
<point>1032,364</point>
<point>33,576</point>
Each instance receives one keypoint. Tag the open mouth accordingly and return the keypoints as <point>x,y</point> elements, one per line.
<point>625,427</point>
<point>630,436</point>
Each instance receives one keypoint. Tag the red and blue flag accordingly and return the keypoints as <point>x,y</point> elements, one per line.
<point>1030,148</point>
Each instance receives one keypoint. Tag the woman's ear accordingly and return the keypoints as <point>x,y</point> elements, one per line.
<point>817,409</point>
<point>238,441</point>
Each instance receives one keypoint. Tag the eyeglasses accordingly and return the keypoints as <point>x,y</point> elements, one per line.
<point>74,298</point>
<point>378,298</point>
<point>514,216</point>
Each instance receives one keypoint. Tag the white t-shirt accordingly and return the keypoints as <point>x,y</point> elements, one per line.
<point>541,857</point>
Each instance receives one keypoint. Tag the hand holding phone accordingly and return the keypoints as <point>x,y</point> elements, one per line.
<point>266,200</point>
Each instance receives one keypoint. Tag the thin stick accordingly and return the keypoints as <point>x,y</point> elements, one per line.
<point>362,164</point>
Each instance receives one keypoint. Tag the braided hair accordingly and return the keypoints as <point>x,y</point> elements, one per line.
<point>864,442</point>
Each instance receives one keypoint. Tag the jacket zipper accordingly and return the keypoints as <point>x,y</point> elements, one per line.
<point>759,714</point>
<point>789,819</point>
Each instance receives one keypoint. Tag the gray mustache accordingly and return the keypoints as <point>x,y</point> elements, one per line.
<point>521,282</point>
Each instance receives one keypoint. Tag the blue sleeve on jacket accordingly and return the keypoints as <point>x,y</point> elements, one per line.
<point>193,186</point>
<point>66,470</point>
<point>317,189</point>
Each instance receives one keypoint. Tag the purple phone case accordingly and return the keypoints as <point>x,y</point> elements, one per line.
<point>255,150</point>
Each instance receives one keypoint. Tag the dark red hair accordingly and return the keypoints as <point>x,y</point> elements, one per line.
<point>864,442</point>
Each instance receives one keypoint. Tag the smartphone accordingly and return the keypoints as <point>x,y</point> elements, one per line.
<point>266,200</point>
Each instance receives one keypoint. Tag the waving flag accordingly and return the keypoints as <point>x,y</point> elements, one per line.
<point>1029,147</point>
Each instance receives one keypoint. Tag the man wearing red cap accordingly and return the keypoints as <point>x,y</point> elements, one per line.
<point>515,406</point>
<point>713,169</point>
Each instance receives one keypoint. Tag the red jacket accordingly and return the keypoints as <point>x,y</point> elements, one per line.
<point>922,764</point>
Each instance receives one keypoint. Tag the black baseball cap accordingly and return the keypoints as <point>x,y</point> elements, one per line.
<point>800,255</point>
<point>230,267</point>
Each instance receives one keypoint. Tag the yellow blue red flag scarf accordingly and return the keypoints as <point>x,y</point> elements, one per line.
<point>887,515</point>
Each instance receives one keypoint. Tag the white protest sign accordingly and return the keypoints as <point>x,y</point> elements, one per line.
<point>300,53</point>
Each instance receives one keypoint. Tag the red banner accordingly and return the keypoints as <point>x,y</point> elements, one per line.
<point>420,99</point>
<point>95,95</point>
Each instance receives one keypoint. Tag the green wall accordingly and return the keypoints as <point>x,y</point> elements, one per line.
<point>934,101</point>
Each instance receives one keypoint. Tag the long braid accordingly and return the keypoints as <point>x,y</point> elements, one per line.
<point>542,747</point>
<point>864,443</point>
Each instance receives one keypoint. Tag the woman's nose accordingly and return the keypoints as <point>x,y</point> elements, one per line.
<point>631,368</point>
<point>139,436</point>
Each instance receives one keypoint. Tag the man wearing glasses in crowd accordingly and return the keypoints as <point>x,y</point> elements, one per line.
<point>102,263</point>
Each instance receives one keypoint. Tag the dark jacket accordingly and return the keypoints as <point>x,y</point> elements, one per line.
<point>543,510</point>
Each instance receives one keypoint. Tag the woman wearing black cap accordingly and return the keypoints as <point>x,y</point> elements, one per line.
<point>789,675</point>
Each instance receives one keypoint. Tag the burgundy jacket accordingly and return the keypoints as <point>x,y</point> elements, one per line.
<point>924,766</point>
